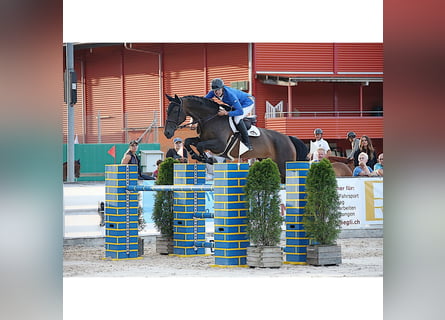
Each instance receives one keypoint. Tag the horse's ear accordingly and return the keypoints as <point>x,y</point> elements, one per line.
<point>177,99</point>
<point>169,98</point>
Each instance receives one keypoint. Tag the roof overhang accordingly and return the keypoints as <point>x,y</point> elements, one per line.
<point>292,79</point>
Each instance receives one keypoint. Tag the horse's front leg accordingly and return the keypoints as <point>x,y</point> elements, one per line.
<point>215,146</point>
<point>193,142</point>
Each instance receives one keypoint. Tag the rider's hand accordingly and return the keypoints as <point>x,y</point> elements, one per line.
<point>222,113</point>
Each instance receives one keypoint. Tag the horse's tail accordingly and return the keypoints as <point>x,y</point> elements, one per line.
<point>300,147</point>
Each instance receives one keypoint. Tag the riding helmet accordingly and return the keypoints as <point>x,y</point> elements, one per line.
<point>351,134</point>
<point>318,131</point>
<point>217,83</point>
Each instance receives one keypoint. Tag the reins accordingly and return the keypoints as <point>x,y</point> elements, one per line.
<point>201,122</point>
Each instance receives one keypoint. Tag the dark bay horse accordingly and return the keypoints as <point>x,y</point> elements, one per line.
<point>214,133</point>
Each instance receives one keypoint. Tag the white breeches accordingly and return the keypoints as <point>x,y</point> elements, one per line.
<point>246,111</point>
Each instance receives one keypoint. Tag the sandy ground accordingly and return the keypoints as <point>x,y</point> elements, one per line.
<point>361,257</point>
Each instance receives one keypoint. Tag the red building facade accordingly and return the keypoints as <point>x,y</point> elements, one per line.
<point>298,87</point>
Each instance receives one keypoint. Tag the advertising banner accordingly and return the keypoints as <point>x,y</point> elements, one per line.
<point>361,201</point>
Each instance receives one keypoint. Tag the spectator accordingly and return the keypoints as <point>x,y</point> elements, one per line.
<point>319,143</point>
<point>366,147</point>
<point>241,102</point>
<point>355,143</point>
<point>155,173</point>
<point>321,154</point>
<point>130,157</point>
<point>378,167</point>
<point>178,152</point>
<point>362,169</point>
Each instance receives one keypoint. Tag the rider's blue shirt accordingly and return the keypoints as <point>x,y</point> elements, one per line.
<point>233,97</point>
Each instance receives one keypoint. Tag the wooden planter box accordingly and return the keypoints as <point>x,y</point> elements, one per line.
<point>321,255</point>
<point>164,245</point>
<point>264,257</point>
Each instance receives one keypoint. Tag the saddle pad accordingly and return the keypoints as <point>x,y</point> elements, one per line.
<point>253,130</point>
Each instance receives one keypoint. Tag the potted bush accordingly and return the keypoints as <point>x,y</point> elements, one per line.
<point>163,208</point>
<point>322,216</point>
<point>263,214</point>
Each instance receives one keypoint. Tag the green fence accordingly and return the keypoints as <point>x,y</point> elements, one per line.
<point>93,157</point>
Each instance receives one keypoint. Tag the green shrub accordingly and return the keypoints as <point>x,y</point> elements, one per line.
<point>163,205</point>
<point>322,216</point>
<point>262,197</point>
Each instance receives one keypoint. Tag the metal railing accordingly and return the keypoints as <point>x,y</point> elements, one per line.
<point>320,114</point>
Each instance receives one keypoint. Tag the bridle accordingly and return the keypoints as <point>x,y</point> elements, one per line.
<point>195,121</point>
<point>177,126</point>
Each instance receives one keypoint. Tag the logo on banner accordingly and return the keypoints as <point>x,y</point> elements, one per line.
<point>374,200</point>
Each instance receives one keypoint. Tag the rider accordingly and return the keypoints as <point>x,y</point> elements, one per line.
<point>241,102</point>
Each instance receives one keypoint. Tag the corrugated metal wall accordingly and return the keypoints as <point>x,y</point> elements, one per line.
<point>359,57</point>
<point>317,60</point>
<point>308,58</point>
<point>294,57</point>
<point>184,69</point>
<point>228,61</point>
<point>119,81</point>
<point>141,90</point>
<point>333,128</point>
<point>104,95</point>
<point>124,85</point>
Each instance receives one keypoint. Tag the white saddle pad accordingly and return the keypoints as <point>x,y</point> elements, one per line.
<point>253,131</point>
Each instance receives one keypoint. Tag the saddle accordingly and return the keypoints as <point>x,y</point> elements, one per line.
<point>252,130</point>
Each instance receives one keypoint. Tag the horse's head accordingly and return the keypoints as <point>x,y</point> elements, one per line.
<point>175,116</point>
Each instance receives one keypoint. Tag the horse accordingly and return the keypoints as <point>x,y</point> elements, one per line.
<point>343,166</point>
<point>76,169</point>
<point>214,133</point>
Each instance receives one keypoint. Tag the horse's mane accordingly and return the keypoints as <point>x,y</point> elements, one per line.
<point>203,100</point>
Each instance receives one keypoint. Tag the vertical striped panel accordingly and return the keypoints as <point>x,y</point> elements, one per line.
<point>187,228</point>
<point>121,212</point>
<point>230,235</point>
<point>296,240</point>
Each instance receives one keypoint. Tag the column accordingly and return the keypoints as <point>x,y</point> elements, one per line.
<point>296,240</point>
<point>121,212</point>
<point>231,240</point>
<point>187,228</point>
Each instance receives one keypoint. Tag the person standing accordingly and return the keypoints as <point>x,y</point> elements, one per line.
<point>319,143</point>
<point>355,143</point>
<point>240,101</point>
<point>130,157</point>
<point>178,152</point>
<point>366,147</point>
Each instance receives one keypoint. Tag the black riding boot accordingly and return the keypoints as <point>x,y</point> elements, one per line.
<point>244,135</point>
